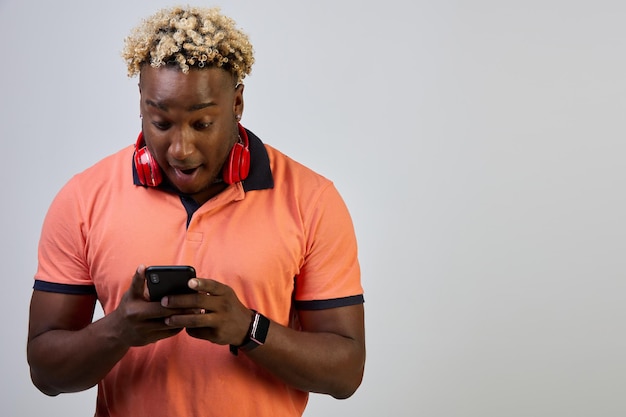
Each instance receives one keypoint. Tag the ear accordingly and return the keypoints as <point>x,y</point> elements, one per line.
<point>238,100</point>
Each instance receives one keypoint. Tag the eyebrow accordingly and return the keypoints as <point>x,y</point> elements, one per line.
<point>191,108</point>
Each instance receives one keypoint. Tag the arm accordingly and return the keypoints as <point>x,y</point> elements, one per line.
<point>63,346</point>
<point>327,356</point>
<point>68,353</point>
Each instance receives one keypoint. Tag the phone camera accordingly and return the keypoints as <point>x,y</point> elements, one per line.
<point>154,278</point>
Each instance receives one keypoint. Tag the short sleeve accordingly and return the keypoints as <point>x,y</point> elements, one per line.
<point>330,275</point>
<point>61,253</point>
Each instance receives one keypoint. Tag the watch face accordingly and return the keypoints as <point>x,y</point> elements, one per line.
<point>258,329</point>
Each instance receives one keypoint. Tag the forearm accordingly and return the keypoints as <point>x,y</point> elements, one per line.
<point>71,361</point>
<point>313,361</point>
<point>326,356</point>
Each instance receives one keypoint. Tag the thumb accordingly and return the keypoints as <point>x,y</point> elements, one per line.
<point>138,283</point>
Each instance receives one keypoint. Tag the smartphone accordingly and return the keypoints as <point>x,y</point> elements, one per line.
<point>169,280</point>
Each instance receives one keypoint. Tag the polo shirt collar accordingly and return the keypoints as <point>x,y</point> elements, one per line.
<point>260,175</point>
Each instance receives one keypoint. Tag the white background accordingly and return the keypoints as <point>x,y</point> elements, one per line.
<point>478,144</point>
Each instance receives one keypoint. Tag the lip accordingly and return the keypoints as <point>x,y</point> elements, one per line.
<point>187,167</point>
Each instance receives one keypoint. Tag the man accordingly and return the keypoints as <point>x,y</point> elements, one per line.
<point>277,308</point>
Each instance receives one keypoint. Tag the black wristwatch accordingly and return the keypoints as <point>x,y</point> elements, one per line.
<point>256,334</point>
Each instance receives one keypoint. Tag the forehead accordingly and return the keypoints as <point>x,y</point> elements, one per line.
<point>170,84</point>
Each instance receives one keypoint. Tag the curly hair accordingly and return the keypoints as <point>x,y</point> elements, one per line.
<point>189,37</point>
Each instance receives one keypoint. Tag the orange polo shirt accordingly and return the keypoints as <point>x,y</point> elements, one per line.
<point>282,239</point>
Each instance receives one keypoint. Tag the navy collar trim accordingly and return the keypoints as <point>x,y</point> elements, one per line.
<point>259,178</point>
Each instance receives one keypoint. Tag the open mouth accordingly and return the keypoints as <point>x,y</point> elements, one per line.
<point>184,175</point>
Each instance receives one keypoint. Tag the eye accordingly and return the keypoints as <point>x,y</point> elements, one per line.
<point>161,125</point>
<point>202,125</point>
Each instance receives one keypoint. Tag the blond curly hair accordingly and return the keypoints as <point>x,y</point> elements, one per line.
<point>189,37</point>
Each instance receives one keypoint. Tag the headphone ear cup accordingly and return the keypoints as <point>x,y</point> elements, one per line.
<point>237,166</point>
<point>148,170</point>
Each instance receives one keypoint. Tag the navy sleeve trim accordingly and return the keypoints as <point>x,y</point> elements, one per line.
<point>333,303</point>
<point>64,288</point>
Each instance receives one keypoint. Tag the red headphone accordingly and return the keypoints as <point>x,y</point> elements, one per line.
<point>236,167</point>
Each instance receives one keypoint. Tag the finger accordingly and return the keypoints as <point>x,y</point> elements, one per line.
<point>190,302</point>
<point>200,319</point>
<point>209,286</point>
<point>151,335</point>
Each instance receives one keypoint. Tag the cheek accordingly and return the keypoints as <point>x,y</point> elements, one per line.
<point>157,144</point>
<point>213,150</point>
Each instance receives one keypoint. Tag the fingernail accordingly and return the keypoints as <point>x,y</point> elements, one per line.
<point>164,301</point>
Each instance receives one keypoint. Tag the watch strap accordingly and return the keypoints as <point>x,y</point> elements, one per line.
<point>257,333</point>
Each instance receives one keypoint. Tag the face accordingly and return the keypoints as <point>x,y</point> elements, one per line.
<point>189,124</point>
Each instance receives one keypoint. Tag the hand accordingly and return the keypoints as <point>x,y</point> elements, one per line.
<point>141,321</point>
<point>220,317</point>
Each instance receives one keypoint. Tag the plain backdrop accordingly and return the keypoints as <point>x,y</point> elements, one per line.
<point>480,146</point>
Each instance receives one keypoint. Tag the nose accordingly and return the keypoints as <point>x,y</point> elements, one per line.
<point>182,144</point>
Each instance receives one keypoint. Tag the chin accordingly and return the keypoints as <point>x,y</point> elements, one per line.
<point>206,192</point>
